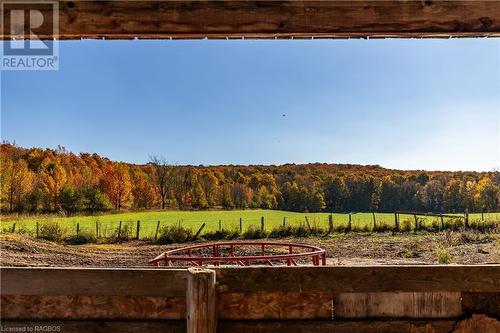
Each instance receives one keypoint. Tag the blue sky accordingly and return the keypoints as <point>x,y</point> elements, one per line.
<point>409,104</point>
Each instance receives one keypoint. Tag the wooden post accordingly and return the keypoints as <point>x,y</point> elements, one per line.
<point>262,227</point>
<point>330,223</point>
<point>374,221</point>
<point>482,216</point>
<point>417,227</point>
<point>14,227</point>
<point>396,222</point>
<point>308,225</point>
<point>200,301</point>
<point>96,229</point>
<point>241,226</point>
<point>349,224</point>
<point>442,222</point>
<point>157,229</point>
<point>120,230</point>
<point>37,230</point>
<point>138,229</point>
<point>284,221</point>
<point>77,228</point>
<point>466,217</point>
<point>220,225</point>
<point>199,231</point>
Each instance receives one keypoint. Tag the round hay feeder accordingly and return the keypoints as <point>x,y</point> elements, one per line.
<point>242,253</point>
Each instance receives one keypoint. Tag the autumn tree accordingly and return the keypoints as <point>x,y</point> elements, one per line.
<point>487,194</point>
<point>17,181</point>
<point>143,189</point>
<point>53,177</point>
<point>116,184</point>
<point>161,176</point>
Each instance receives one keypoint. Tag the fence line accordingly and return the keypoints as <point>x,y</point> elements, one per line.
<point>350,222</point>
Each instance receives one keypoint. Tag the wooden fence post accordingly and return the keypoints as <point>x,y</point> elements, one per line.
<point>482,216</point>
<point>200,301</point>
<point>417,227</point>
<point>157,229</point>
<point>396,222</point>
<point>77,228</point>
<point>199,231</point>
<point>374,221</point>
<point>284,221</point>
<point>442,222</point>
<point>14,227</point>
<point>308,225</point>
<point>36,229</point>
<point>120,230</point>
<point>138,229</point>
<point>96,229</point>
<point>241,226</point>
<point>330,223</point>
<point>220,225</point>
<point>466,217</point>
<point>262,226</point>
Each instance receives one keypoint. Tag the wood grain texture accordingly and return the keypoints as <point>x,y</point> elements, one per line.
<point>103,326</point>
<point>485,303</point>
<point>360,279</point>
<point>415,305</point>
<point>478,324</point>
<point>304,326</point>
<point>276,305</point>
<point>92,281</point>
<point>276,19</point>
<point>92,307</point>
<point>200,301</point>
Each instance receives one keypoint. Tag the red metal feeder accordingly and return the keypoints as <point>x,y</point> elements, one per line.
<point>229,253</point>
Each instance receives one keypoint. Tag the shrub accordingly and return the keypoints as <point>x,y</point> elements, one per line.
<point>174,234</point>
<point>281,232</point>
<point>51,232</point>
<point>221,234</point>
<point>454,223</point>
<point>122,235</point>
<point>301,231</point>
<point>483,226</point>
<point>80,238</point>
<point>443,254</point>
<point>254,233</point>
<point>382,227</point>
<point>317,230</point>
<point>406,225</point>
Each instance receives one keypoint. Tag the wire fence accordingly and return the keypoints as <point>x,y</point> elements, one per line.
<point>328,223</point>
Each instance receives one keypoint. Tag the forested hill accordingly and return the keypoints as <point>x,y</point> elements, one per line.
<point>45,180</point>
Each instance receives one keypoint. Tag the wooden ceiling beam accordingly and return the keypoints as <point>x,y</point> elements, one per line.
<point>276,19</point>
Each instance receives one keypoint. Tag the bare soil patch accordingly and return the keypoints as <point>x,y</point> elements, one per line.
<point>351,249</point>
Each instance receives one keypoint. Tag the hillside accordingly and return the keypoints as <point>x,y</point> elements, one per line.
<point>36,180</point>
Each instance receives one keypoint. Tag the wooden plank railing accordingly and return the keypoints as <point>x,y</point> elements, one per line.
<point>253,299</point>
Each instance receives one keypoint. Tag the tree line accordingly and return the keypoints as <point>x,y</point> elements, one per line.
<point>35,180</point>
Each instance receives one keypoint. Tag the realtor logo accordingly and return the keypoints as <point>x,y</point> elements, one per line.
<point>29,29</point>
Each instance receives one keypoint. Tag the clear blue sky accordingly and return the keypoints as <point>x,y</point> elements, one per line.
<point>411,104</point>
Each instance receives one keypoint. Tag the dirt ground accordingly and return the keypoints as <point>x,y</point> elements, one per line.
<point>352,249</point>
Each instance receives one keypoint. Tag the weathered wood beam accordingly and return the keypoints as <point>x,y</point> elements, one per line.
<point>100,326</point>
<point>276,19</point>
<point>485,278</point>
<point>477,323</point>
<point>92,307</point>
<point>93,281</point>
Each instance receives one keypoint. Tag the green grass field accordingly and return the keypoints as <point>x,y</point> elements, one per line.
<point>229,220</point>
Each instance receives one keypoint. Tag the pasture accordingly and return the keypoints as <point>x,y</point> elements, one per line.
<point>108,224</point>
